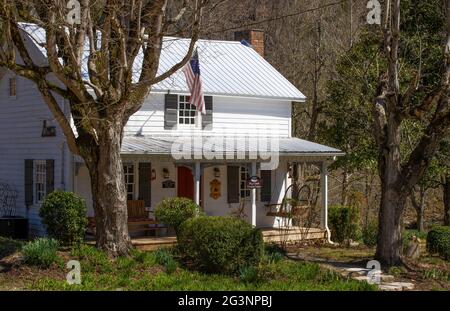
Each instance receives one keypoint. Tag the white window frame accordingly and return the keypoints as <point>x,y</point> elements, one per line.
<point>130,173</point>
<point>183,108</point>
<point>39,180</point>
<point>12,91</point>
<point>244,192</point>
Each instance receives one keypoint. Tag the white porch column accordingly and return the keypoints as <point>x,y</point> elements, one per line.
<point>324,194</point>
<point>197,182</point>
<point>253,196</point>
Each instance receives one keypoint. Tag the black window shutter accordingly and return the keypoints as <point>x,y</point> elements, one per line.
<point>145,183</point>
<point>28,182</point>
<point>207,119</point>
<point>50,175</point>
<point>170,111</point>
<point>266,190</point>
<point>233,184</point>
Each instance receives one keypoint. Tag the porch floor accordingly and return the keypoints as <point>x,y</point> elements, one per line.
<point>274,235</point>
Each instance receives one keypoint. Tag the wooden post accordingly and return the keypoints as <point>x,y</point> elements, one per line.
<point>253,196</point>
<point>197,182</point>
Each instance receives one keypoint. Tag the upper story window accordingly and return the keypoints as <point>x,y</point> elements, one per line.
<point>186,111</point>
<point>243,190</point>
<point>13,87</point>
<point>128,170</point>
<point>40,178</point>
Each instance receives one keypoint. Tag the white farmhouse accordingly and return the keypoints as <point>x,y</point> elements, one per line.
<point>169,149</point>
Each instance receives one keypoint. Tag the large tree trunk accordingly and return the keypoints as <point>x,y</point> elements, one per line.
<point>108,192</point>
<point>389,244</point>
<point>446,189</point>
<point>392,203</point>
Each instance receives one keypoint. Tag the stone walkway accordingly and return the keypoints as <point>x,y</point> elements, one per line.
<point>356,271</point>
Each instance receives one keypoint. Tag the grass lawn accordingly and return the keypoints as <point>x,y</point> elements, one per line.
<point>144,271</point>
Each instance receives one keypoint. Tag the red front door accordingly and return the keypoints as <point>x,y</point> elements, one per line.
<point>185,183</point>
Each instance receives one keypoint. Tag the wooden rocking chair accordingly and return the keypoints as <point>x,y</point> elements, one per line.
<point>290,207</point>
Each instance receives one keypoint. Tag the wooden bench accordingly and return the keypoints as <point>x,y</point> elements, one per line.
<point>138,219</point>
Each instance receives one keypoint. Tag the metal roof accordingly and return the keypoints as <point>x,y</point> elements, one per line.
<point>228,68</point>
<point>164,145</point>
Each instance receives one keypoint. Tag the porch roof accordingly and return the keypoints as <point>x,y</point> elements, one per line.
<point>163,145</point>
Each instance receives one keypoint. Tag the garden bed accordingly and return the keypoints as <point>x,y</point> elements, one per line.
<point>143,271</point>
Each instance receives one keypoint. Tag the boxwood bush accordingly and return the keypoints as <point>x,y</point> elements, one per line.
<point>64,214</point>
<point>41,252</point>
<point>438,241</point>
<point>174,211</point>
<point>369,233</point>
<point>344,223</point>
<point>220,244</point>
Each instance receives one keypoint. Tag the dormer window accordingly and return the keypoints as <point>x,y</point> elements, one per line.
<point>186,111</point>
<point>12,87</point>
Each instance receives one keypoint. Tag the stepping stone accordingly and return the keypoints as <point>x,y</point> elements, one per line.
<point>396,286</point>
<point>357,270</point>
<point>390,287</point>
<point>387,278</point>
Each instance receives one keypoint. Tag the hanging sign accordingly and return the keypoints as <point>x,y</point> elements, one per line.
<point>214,189</point>
<point>168,184</point>
<point>254,182</point>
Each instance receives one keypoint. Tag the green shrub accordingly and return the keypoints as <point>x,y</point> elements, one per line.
<point>174,211</point>
<point>220,244</point>
<point>438,241</point>
<point>248,274</point>
<point>370,234</point>
<point>344,223</point>
<point>273,253</point>
<point>41,252</point>
<point>64,214</point>
<point>165,258</point>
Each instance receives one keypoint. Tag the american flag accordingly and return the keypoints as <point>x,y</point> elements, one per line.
<point>192,72</point>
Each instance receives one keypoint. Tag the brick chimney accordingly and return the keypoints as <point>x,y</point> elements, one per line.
<point>254,37</point>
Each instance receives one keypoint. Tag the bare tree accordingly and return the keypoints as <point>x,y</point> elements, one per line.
<point>419,204</point>
<point>115,32</point>
<point>446,194</point>
<point>390,108</point>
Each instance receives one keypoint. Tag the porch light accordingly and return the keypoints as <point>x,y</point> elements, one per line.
<point>166,173</point>
<point>216,172</point>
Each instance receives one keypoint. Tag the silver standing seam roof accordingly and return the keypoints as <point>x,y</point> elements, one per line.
<point>162,145</point>
<point>229,68</point>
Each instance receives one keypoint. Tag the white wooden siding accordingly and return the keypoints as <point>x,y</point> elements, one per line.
<point>231,116</point>
<point>21,121</point>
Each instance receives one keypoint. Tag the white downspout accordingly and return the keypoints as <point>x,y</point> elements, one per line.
<point>324,186</point>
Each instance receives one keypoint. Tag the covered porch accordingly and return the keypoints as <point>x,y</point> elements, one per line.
<point>282,208</point>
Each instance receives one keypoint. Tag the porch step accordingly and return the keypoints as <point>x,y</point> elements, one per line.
<point>153,243</point>
<point>292,234</point>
